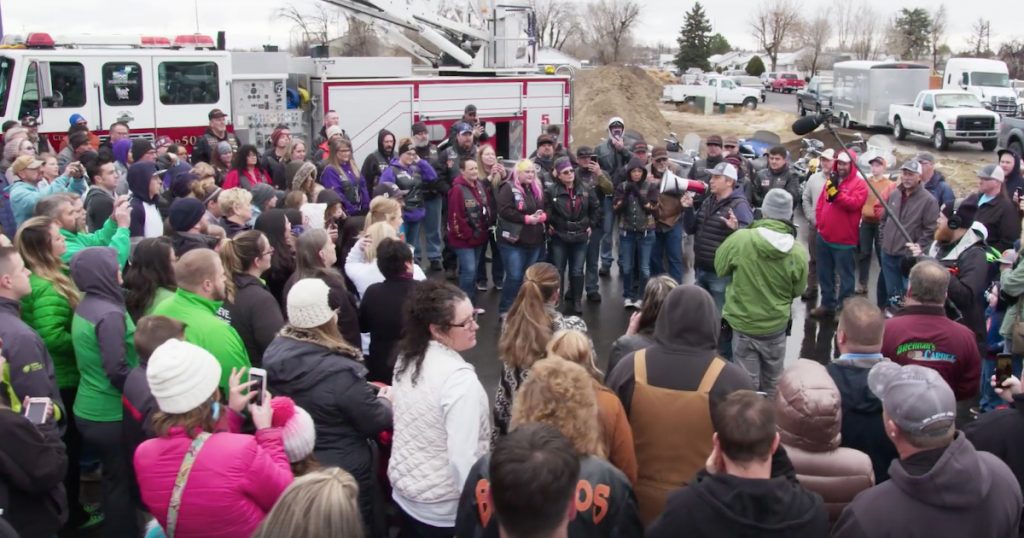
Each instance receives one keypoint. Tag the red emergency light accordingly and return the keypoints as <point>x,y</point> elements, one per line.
<point>39,40</point>
<point>155,42</point>
<point>195,41</point>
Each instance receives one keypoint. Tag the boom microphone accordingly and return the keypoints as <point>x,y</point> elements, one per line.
<point>807,124</point>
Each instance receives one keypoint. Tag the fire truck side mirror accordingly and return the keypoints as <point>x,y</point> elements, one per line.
<point>44,83</point>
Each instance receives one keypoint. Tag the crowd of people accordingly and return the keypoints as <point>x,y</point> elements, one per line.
<point>237,342</point>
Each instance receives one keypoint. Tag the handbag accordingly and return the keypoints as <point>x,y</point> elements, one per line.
<point>181,480</point>
<point>508,230</point>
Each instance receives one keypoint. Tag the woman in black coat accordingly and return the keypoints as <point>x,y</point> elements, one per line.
<point>312,364</point>
<point>255,313</point>
<point>274,223</point>
<point>379,311</point>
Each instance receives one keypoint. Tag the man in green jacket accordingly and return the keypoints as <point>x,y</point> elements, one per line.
<point>201,292</point>
<point>68,210</point>
<point>769,269</point>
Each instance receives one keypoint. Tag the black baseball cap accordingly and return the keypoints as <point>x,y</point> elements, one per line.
<point>216,113</point>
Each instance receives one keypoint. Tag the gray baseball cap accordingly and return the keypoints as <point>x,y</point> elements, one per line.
<point>916,398</point>
<point>725,170</point>
<point>912,166</point>
<point>925,157</point>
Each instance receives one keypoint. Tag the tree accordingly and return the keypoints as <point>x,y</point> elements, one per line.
<point>755,67</point>
<point>816,34</point>
<point>980,40</point>
<point>359,40</point>
<point>864,37</point>
<point>938,34</point>
<point>1012,52</point>
<point>843,16</point>
<point>610,26</point>
<point>694,40</point>
<point>316,28</point>
<point>719,45</point>
<point>773,23</point>
<point>910,35</point>
<point>556,21</point>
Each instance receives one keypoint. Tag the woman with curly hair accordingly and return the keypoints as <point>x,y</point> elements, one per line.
<point>527,330</point>
<point>247,169</point>
<point>441,423</point>
<point>640,332</point>
<point>559,394</point>
<point>150,277</point>
<point>617,435</point>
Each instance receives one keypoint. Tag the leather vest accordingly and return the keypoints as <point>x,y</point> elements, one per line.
<point>411,182</point>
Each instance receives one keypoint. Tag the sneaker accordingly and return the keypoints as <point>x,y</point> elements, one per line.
<point>821,312</point>
<point>435,265</point>
<point>497,287</point>
<point>481,286</point>
<point>593,297</point>
<point>638,304</point>
<point>629,303</point>
<point>861,290</point>
<point>809,294</point>
<point>95,516</point>
<point>449,274</point>
<point>604,271</point>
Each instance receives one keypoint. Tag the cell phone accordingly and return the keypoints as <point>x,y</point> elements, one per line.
<point>501,159</point>
<point>1004,368</point>
<point>35,411</point>
<point>259,375</point>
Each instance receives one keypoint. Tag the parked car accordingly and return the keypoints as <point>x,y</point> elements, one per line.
<point>817,96</point>
<point>946,116</point>
<point>751,82</point>
<point>767,78</point>
<point>788,83</point>
<point>719,89</point>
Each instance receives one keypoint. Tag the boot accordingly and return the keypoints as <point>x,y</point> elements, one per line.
<point>576,294</point>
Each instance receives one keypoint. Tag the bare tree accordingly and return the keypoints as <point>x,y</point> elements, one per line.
<point>316,28</point>
<point>556,21</point>
<point>610,26</point>
<point>938,33</point>
<point>980,40</point>
<point>815,34</point>
<point>842,16</point>
<point>772,23</point>
<point>864,37</point>
<point>359,39</point>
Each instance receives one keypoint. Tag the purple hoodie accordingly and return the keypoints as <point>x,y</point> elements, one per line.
<point>121,149</point>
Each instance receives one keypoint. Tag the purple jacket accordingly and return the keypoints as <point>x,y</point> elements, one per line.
<point>355,197</point>
<point>414,210</point>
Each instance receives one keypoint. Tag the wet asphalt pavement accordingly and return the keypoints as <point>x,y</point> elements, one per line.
<point>608,319</point>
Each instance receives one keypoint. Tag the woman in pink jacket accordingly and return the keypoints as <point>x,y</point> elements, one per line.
<point>197,482</point>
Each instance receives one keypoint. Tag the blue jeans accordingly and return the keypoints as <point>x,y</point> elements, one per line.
<point>412,236</point>
<point>608,239</point>
<point>634,245</point>
<point>572,254</point>
<point>497,268</point>
<point>516,259</point>
<point>468,258</point>
<point>895,284</point>
<point>432,223</point>
<point>594,258</point>
<point>829,261</point>
<point>714,284</point>
<point>668,245</point>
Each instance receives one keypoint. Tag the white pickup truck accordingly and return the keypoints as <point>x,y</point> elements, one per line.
<point>719,89</point>
<point>946,116</point>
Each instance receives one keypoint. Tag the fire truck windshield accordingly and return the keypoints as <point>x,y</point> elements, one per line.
<point>6,74</point>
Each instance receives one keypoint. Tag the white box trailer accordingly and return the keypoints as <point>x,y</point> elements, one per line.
<point>863,90</point>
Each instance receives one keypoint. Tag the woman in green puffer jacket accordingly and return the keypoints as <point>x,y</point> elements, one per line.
<point>49,310</point>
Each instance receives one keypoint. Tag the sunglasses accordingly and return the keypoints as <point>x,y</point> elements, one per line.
<point>715,145</point>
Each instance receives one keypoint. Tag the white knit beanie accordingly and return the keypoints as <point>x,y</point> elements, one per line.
<point>181,376</point>
<point>307,304</point>
<point>297,430</point>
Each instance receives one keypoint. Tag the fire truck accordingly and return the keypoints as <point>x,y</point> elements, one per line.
<point>163,86</point>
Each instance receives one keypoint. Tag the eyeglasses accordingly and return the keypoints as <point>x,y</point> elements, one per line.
<point>267,252</point>
<point>473,319</point>
<point>567,172</point>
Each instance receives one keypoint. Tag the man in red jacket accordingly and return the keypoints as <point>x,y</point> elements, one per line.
<point>837,219</point>
<point>921,334</point>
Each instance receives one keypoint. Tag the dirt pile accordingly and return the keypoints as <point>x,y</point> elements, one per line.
<point>628,92</point>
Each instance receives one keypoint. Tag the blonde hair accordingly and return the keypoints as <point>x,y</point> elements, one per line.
<point>574,346</point>
<point>560,394</point>
<point>528,325</point>
<point>525,164</point>
<point>231,200</point>
<point>321,504</point>
<point>377,232</point>
<point>381,207</point>
<point>36,248</point>
<point>296,142</point>
<point>204,170</point>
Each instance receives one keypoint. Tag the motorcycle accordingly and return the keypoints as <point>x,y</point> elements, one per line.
<point>807,165</point>
<point>686,154</point>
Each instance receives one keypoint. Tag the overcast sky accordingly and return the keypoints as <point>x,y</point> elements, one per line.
<point>251,23</point>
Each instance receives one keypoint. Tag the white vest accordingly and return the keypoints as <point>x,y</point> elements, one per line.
<point>420,469</point>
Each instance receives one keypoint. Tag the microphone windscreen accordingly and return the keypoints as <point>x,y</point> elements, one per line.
<point>806,124</point>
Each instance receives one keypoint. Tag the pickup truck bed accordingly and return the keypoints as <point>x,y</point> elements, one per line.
<point>927,117</point>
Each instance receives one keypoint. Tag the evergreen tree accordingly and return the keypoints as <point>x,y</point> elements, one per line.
<point>719,45</point>
<point>694,40</point>
<point>755,66</point>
